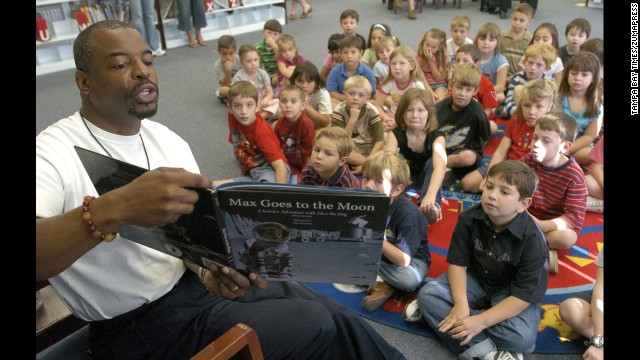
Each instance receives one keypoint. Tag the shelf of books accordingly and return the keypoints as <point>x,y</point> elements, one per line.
<point>58,22</point>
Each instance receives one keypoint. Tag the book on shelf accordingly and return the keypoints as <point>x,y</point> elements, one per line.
<point>284,232</point>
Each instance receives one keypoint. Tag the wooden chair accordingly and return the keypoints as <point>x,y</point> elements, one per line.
<point>65,336</point>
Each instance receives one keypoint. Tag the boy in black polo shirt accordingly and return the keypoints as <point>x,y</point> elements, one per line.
<point>487,305</point>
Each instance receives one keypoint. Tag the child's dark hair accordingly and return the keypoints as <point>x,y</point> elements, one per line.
<point>525,8</point>
<point>226,42</point>
<point>515,173</point>
<point>581,24</point>
<point>351,41</point>
<point>242,89</point>
<point>246,48</point>
<point>310,71</point>
<point>560,123</point>
<point>273,25</point>
<point>291,87</point>
<point>554,35</point>
<point>350,13</point>
<point>584,62</point>
<point>382,26</point>
<point>334,42</point>
<point>594,46</point>
<point>471,50</point>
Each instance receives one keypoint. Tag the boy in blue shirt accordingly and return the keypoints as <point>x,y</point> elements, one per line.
<point>351,53</point>
<point>405,250</point>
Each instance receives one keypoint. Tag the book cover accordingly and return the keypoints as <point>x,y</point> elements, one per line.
<point>283,232</point>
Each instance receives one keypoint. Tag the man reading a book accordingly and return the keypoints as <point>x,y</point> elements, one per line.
<point>142,303</point>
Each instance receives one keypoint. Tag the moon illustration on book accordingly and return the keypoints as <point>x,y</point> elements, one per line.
<point>174,250</point>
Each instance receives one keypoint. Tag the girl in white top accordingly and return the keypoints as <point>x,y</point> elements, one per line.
<point>250,59</point>
<point>546,33</point>
<point>404,74</point>
<point>316,97</point>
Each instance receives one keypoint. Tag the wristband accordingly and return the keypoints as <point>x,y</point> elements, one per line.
<point>86,216</point>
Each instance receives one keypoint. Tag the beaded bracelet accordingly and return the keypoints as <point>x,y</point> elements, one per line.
<point>86,216</point>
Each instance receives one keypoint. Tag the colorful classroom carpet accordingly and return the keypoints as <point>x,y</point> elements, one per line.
<point>576,274</point>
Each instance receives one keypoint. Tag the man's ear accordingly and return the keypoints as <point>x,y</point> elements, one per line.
<point>82,82</point>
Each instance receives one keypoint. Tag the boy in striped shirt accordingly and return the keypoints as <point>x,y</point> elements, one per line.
<point>560,200</point>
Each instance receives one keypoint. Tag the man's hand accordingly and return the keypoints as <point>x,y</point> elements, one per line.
<point>157,197</point>
<point>229,283</point>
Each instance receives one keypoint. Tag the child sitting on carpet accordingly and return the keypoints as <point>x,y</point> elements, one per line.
<point>463,122</point>
<point>560,200</point>
<point>405,250</point>
<point>418,140</point>
<point>585,313</point>
<point>328,163</point>
<point>488,303</point>
<point>537,99</point>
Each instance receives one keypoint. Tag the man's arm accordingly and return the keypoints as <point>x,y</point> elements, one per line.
<point>156,198</point>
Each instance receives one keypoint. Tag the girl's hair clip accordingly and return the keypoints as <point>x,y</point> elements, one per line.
<point>380,26</point>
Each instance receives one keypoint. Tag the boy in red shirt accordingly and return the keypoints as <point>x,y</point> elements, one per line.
<point>294,129</point>
<point>255,145</point>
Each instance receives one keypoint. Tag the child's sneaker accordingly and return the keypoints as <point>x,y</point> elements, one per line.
<point>595,205</point>
<point>378,294</point>
<point>553,261</point>
<point>503,355</point>
<point>434,215</point>
<point>412,312</point>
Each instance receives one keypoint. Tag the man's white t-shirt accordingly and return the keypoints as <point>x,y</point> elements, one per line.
<point>117,277</point>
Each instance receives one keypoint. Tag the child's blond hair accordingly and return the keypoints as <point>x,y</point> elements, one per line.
<point>442,55</point>
<point>339,137</point>
<point>408,98</point>
<point>491,30</point>
<point>293,88</point>
<point>547,53</point>
<point>242,89</point>
<point>386,41</point>
<point>288,38</point>
<point>466,75</point>
<point>387,164</point>
<point>461,21</point>
<point>536,91</point>
<point>359,82</point>
<point>407,53</point>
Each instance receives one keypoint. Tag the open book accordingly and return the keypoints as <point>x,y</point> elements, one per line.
<point>283,232</point>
